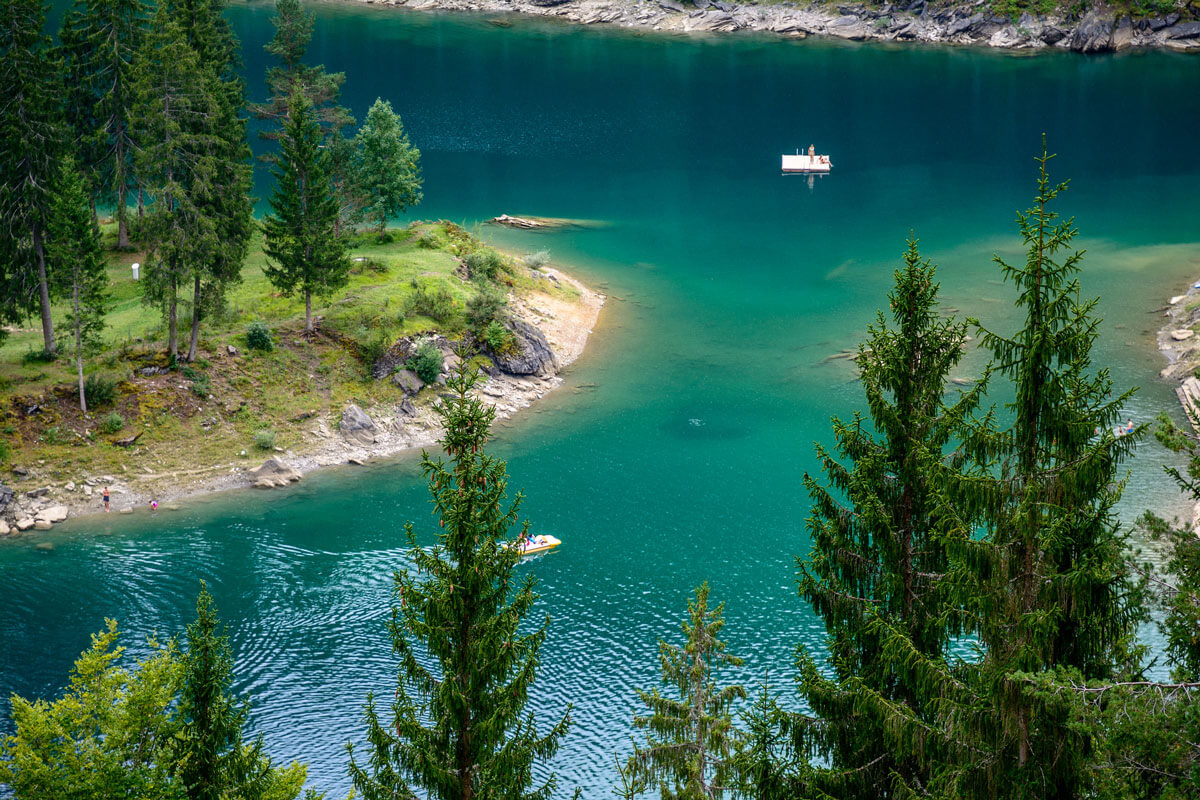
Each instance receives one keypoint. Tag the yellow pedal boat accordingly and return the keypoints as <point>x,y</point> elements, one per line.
<point>535,544</point>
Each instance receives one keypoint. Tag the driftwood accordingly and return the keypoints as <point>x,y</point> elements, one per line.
<point>544,223</point>
<point>128,441</point>
<point>525,223</point>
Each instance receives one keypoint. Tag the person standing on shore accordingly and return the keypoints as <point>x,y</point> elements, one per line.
<point>105,497</point>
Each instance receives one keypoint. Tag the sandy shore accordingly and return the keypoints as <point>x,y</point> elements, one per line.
<point>565,324</point>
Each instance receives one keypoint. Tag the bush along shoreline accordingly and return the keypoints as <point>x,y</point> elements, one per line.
<point>265,401</point>
<point>1008,24</point>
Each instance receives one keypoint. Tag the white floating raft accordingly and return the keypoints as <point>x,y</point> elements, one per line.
<point>806,162</point>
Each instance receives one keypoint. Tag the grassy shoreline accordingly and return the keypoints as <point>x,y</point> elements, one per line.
<point>200,427</point>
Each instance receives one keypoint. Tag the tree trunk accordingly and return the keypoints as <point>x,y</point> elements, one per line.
<point>172,323</point>
<point>382,225</point>
<point>78,344</point>
<point>191,356</point>
<point>308,311</point>
<point>122,189</point>
<point>141,203</point>
<point>43,292</point>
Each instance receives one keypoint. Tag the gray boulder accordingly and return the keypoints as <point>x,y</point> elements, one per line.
<point>273,473</point>
<point>967,25</point>
<point>393,359</point>
<point>671,5</point>
<point>1052,35</point>
<point>407,409</point>
<point>1188,30</point>
<point>533,354</point>
<point>408,381</point>
<point>6,497</point>
<point>1094,34</point>
<point>356,426</point>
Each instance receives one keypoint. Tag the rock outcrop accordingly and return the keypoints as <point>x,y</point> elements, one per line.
<point>408,382</point>
<point>356,426</point>
<point>533,354</point>
<point>273,473</point>
<point>1101,30</point>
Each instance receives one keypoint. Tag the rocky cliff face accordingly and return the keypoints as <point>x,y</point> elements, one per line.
<point>1100,30</point>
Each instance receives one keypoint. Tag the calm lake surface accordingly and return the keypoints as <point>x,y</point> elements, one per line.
<point>675,452</point>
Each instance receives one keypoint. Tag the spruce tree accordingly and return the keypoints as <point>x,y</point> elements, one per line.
<point>176,161</point>
<point>301,236</point>
<point>30,135</point>
<point>875,549</point>
<point>212,760</point>
<point>225,198</point>
<point>98,42</point>
<point>293,33</point>
<point>765,761</point>
<point>77,260</point>
<point>459,727</point>
<point>690,740</point>
<point>1036,554</point>
<point>386,166</point>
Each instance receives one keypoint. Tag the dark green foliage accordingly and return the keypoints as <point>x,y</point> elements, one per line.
<point>499,339</point>
<point>484,263</point>
<point>76,260</point>
<point>258,337</point>
<point>201,387</point>
<point>386,166</point>
<point>213,762</point>
<point>100,391</point>
<point>302,240</point>
<point>765,761</point>
<point>426,362</point>
<point>459,727</point>
<point>689,740</point>
<point>113,423</point>
<point>431,300</point>
<point>98,41</point>
<point>29,148</point>
<point>194,159</point>
<point>485,307</point>
<point>175,161</point>
<point>1045,588</point>
<point>878,557</point>
<point>293,34</point>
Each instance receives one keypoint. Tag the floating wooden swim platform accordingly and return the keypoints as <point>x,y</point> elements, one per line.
<point>806,162</point>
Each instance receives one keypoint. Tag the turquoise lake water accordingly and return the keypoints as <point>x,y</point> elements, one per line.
<point>675,451</point>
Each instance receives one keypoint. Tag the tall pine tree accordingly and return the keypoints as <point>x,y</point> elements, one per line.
<point>225,196</point>
<point>30,134</point>
<point>690,740</point>
<point>77,260</point>
<point>212,760</point>
<point>302,234</point>
<point>175,161</point>
<point>876,553</point>
<point>293,34</point>
<point>460,729</point>
<point>98,42</point>
<point>1036,554</point>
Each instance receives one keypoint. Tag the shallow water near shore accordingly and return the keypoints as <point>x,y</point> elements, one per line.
<point>676,449</point>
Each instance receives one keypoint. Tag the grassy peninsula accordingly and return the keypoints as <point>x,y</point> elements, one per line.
<point>161,428</point>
